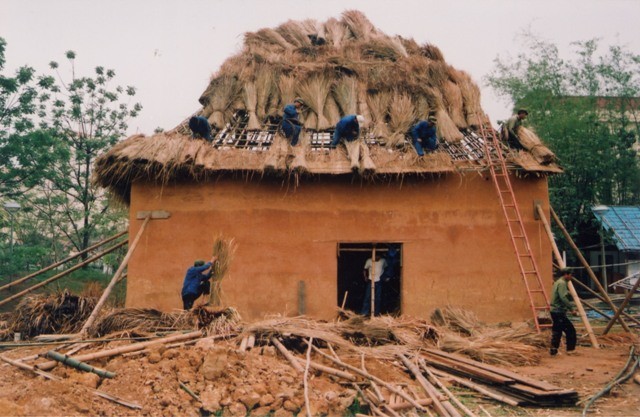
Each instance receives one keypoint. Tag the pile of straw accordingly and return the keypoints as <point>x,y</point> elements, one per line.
<point>533,144</point>
<point>140,320</point>
<point>224,249</point>
<point>488,350</point>
<point>59,313</point>
<point>457,319</point>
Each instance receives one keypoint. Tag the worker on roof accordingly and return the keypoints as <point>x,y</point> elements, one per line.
<point>290,123</point>
<point>424,135</point>
<point>200,128</point>
<point>348,128</point>
<point>196,282</point>
<point>373,272</point>
<point>510,129</point>
<point>560,305</point>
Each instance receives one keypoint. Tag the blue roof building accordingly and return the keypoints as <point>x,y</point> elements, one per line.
<point>623,225</point>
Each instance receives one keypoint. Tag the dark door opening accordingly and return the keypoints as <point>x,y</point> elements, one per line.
<point>352,285</point>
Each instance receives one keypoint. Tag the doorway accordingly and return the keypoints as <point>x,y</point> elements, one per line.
<point>352,286</point>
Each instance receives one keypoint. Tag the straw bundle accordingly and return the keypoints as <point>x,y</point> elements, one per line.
<point>401,117</point>
<point>432,52</point>
<point>61,312</point>
<point>286,87</point>
<point>378,106</point>
<point>224,250</point>
<point>454,104</point>
<point>385,48</point>
<point>314,92</point>
<point>250,96</point>
<point>265,89</point>
<point>345,92</point>
<point>367,167</point>
<point>471,99</point>
<point>223,93</point>
<point>299,163</point>
<point>331,111</point>
<point>266,36</point>
<point>139,320</point>
<point>457,319</point>
<point>363,108</point>
<point>422,108</point>
<point>532,143</point>
<point>215,320</point>
<point>446,129</point>
<point>358,24</point>
<point>336,32</point>
<point>294,33</point>
<point>489,350</point>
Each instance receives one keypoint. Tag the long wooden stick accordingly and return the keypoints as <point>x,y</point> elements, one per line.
<point>287,355</point>
<point>478,387</point>
<point>622,306</point>
<point>57,264</point>
<point>572,290</point>
<point>426,385</point>
<point>62,274</point>
<point>124,349</point>
<point>584,262</point>
<point>329,370</point>
<point>601,298</point>
<point>114,280</point>
<point>371,377</point>
<point>56,378</point>
<point>449,393</point>
<point>82,366</point>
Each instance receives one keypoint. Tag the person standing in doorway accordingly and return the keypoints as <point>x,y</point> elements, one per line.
<point>372,272</point>
<point>560,305</point>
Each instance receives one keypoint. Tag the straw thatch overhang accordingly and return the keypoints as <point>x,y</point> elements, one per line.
<point>168,157</point>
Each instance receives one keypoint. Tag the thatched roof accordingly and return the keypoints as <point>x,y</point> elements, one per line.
<point>338,67</point>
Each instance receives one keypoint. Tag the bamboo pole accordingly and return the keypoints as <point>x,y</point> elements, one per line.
<point>56,378</point>
<point>572,290</point>
<point>329,370</point>
<point>57,264</point>
<point>426,385</point>
<point>455,399</point>
<point>622,306</point>
<point>62,274</point>
<point>74,363</point>
<point>116,276</point>
<point>583,261</point>
<point>372,274</point>
<point>125,349</point>
<point>601,298</point>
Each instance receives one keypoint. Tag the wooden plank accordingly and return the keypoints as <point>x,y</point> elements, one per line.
<point>501,371</point>
<point>154,214</point>
<point>468,369</point>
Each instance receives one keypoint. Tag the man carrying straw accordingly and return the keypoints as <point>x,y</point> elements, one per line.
<point>196,282</point>
<point>510,129</point>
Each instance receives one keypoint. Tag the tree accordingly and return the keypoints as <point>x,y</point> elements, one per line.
<point>585,108</point>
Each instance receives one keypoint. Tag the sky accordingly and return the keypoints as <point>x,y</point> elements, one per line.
<point>168,49</point>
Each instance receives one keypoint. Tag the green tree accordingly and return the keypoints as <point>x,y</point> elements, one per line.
<point>585,108</point>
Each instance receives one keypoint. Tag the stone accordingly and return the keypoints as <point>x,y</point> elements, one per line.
<point>290,406</point>
<point>250,400</point>
<point>281,412</point>
<point>154,356</point>
<point>211,400</point>
<point>267,399</point>
<point>261,412</point>
<point>237,409</point>
<point>214,364</point>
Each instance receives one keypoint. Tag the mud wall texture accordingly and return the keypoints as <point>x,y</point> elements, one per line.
<point>456,245</point>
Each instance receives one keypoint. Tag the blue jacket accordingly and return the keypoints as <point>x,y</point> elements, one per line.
<point>200,127</point>
<point>347,128</point>
<point>290,112</point>
<point>427,133</point>
<point>194,278</point>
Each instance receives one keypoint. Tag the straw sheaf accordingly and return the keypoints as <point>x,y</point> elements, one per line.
<point>532,143</point>
<point>314,92</point>
<point>345,92</point>
<point>358,24</point>
<point>336,32</point>
<point>454,104</point>
<point>401,118</point>
<point>378,105</point>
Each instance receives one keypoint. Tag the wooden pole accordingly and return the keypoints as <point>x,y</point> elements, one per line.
<point>287,354</point>
<point>372,274</point>
<point>601,298</point>
<point>582,260</point>
<point>62,274</point>
<point>114,280</point>
<point>82,366</point>
<point>572,290</point>
<point>57,264</point>
<point>622,306</point>
<point>45,366</point>
<point>453,398</point>
<point>426,385</point>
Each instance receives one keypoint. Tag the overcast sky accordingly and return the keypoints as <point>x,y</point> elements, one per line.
<point>169,49</point>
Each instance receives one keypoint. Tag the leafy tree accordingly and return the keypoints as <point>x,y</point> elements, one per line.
<point>585,108</point>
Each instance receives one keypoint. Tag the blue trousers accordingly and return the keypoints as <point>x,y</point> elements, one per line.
<point>291,131</point>
<point>366,303</point>
<point>430,144</point>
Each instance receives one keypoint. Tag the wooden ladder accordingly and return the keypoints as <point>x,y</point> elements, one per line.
<point>538,299</point>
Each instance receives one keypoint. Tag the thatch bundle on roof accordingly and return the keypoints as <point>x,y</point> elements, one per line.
<point>533,144</point>
<point>336,55</point>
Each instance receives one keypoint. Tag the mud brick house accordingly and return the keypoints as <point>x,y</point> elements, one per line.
<point>306,218</point>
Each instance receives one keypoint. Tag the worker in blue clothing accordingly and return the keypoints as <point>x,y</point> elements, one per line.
<point>290,123</point>
<point>348,128</point>
<point>424,135</point>
<point>200,128</point>
<point>196,282</point>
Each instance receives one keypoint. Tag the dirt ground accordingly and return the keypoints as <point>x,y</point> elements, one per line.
<point>232,383</point>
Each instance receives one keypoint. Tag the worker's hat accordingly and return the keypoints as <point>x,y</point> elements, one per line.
<point>360,118</point>
<point>523,111</point>
<point>199,262</point>
<point>299,100</point>
<point>433,119</point>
